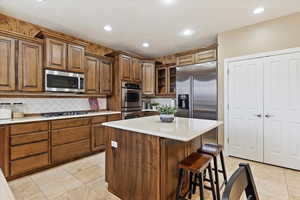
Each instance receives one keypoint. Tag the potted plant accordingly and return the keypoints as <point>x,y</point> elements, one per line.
<point>154,106</point>
<point>167,113</point>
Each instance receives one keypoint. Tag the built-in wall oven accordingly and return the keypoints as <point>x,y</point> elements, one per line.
<point>131,100</point>
<point>58,81</point>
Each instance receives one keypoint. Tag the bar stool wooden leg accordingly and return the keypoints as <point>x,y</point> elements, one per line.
<point>223,167</point>
<point>201,186</point>
<point>180,183</point>
<point>191,185</point>
<point>217,177</point>
<point>212,184</point>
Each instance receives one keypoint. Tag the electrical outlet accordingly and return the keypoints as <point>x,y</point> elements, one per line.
<point>114,144</point>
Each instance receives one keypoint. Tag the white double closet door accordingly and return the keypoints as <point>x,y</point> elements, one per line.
<point>264,110</point>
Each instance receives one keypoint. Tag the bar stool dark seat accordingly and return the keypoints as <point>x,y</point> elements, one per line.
<point>216,150</point>
<point>194,166</point>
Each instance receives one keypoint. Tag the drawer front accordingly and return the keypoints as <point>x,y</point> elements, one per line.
<point>114,117</point>
<point>28,138</point>
<point>99,119</point>
<point>186,60</point>
<point>59,124</point>
<point>206,56</point>
<point>67,135</point>
<point>28,164</point>
<point>28,150</point>
<point>28,128</point>
<point>70,151</point>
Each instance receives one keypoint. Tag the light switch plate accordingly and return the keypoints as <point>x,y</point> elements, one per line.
<point>114,144</point>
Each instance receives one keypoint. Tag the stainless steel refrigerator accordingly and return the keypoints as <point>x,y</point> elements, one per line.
<point>196,91</point>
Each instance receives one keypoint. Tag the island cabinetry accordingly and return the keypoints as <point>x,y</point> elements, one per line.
<point>29,147</point>
<point>70,139</point>
<point>149,164</point>
<point>7,68</point>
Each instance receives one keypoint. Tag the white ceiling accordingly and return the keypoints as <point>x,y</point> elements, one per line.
<point>152,21</point>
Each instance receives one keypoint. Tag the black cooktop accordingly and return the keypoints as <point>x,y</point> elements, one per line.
<point>56,114</point>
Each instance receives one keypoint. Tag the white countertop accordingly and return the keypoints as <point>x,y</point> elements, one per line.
<point>5,192</point>
<point>41,118</point>
<point>182,129</point>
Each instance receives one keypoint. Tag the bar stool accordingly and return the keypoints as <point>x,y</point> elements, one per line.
<point>216,150</point>
<point>194,166</point>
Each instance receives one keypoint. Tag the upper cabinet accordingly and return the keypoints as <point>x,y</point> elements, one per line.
<point>136,69</point>
<point>196,58</point>
<point>166,80</point>
<point>91,75</point>
<point>125,63</point>
<point>63,53</point>
<point>106,77</point>
<point>98,75</point>
<point>7,64</point>
<point>148,78</point>
<point>75,58</point>
<point>30,70</point>
<point>56,54</point>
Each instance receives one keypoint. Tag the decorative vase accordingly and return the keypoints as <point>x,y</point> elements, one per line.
<point>167,117</point>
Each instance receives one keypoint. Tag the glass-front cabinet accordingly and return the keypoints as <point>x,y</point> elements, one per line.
<point>165,80</point>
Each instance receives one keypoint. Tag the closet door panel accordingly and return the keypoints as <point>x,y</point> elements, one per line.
<point>246,109</point>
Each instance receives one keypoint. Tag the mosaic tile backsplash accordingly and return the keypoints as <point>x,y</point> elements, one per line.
<point>47,105</point>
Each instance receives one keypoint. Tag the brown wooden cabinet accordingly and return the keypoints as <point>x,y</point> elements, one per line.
<point>105,77</point>
<point>75,58</point>
<point>136,70</point>
<point>56,54</point>
<point>30,70</point>
<point>148,78</point>
<point>7,64</point>
<point>4,150</point>
<point>197,57</point>
<point>166,80</point>
<point>91,75</point>
<point>161,81</point>
<point>125,65</point>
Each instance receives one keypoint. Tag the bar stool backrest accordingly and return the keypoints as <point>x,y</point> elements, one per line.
<point>241,181</point>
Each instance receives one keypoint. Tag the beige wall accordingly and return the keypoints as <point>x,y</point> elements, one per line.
<point>276,34</point>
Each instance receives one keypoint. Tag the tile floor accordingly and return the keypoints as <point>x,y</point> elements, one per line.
<point>84,180</point>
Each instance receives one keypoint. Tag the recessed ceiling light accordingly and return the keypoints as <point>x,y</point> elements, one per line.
<point>187,32</point>
<point>40,0</point>
<point>258,10</point>
<point>146,44</point>
<point>168,2</point>
<point>108,28</point>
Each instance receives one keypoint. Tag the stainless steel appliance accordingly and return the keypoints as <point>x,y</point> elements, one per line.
<point>196,91</point>
<point>58,81</point>
<point>131,100</point>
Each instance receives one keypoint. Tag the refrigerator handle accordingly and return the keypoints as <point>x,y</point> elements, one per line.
<point>191,97</point>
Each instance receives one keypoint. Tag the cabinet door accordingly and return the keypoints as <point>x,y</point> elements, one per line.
<point>91,75</point>
<point>125,63</point>
<point>206,56</point>
<point>136,69</point>
<point>98,137</point>
<point>30,70</point>
<point>4,150</point>
<point>75,58</point>
<point>105,78</point>
<point>7,64</point>
<point>161,81</point>
<point>56,52</point>
<point>172,80</point>
<point>186,60</point>
<point>148,78</point>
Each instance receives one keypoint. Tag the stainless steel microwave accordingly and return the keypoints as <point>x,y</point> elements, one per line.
<point>57,81</point>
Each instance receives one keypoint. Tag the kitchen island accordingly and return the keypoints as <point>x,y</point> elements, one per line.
<point>142,155</point>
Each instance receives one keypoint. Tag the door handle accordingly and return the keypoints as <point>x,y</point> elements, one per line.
<point>269,116</point>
